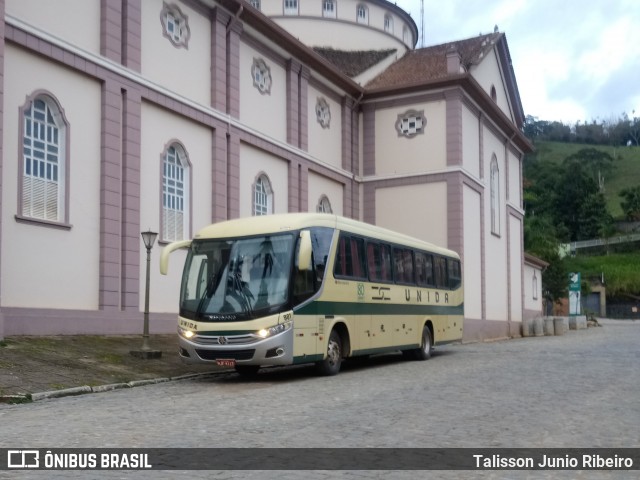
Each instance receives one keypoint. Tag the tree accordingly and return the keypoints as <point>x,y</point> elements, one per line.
<point>594,220</point>
<point>634,127</point>
<point>594,161</point>
<point>541,238</point>
<point>573,190</point>
<point>631,203</point>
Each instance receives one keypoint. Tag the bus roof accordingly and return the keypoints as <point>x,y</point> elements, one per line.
<point>279,223</point>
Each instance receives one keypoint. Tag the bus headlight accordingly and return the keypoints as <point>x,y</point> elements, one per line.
<point>275,330</point>
<point>186,333</point>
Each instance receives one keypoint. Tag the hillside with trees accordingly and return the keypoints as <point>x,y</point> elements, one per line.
<point>582,182</point>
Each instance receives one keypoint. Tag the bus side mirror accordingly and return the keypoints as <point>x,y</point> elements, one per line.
<point>166,251</point>
<point>304,251</point>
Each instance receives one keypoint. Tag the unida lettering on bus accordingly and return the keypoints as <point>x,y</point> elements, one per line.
<point>425,296</point>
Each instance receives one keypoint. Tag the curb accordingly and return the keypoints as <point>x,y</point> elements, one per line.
<point>61,393</point>
<point>69,392</point>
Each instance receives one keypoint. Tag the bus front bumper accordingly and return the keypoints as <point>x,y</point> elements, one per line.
<point>230,350</point>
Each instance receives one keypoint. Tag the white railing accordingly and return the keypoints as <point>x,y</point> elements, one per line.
<point>596,242</point>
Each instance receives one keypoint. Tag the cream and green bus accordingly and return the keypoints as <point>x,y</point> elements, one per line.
<point>312,288</point>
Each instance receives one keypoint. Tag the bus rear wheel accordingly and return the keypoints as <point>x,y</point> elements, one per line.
<point>424,352</point>
<point>331,364</point>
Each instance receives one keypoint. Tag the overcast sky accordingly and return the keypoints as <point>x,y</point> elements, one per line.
<point>573,59</point>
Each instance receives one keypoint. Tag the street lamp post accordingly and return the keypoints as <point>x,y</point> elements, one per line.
<point>149,238</point>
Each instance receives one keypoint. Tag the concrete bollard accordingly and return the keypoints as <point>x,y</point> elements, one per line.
<point>526,327</point>
<point>577,322</point>
<point>538,327</point>
<point>559,326</point>
<point>582,322</point>
<point>548,326</point>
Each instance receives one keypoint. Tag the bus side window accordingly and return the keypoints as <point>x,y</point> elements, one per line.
<point>379,262</point>
<point>424,270</point>
<point>350,257</point>
<point>403,265</point>
<point>453,266</point>
<point>441,272</point>
<point>306,283</point>
<point>321,238</point>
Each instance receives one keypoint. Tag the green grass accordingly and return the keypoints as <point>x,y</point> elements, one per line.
<point>620,271</point>
<point>626,171</point>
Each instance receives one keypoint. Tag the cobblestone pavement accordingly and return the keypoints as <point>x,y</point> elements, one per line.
<point>578,390</point>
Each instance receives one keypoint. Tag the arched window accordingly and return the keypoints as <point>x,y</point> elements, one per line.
<point>329,8</point>
<point>44,160</point>
<point>175,193</point>
<point>362,13</point>
<point>406,36</point>
<point>291,7</point>
<point>262,196</point>
<point>324,205</point>
<point>388,23</point>
<point>535,286</point>
<point>495,196</point>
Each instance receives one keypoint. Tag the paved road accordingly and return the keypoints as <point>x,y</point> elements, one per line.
<point>578,390</point>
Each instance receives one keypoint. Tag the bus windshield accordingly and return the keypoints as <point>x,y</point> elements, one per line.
<point>226,280</point>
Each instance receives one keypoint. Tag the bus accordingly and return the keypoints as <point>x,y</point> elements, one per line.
<point>316,288</point>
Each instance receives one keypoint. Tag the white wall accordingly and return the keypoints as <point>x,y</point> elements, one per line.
<point>421,153</point>
<point>345,36</point>
<point>472,265</point>
<point>159,127</point>
<point>515,266</point>
<point>74,21</point>
<point>253,162</point>
<point>325,143</point>
<point>488,74</point>
<point>416,210</point>
<point>44,267</point>
<point>319,186</point>
<point>186,71</point>
<point>470,142</point>
<point>264,112</point>
<point>515,181</point>
<point>495,244</point>
<point>532,296</point>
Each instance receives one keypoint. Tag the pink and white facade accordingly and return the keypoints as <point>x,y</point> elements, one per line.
<point>123,116</point>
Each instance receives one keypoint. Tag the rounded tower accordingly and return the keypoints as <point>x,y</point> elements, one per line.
<point>347,25</point>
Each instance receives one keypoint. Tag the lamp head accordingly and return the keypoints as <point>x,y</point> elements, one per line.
<point>149,238</point>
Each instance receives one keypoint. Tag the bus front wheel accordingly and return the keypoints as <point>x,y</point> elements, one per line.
<point>331,364</point>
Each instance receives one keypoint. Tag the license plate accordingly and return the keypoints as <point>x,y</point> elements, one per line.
<point>224,362</point>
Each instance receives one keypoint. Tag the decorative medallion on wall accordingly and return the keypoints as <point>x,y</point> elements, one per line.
<point>411,123</point>
<point>261,76</point>
<point>323,112</point>
<point>175,25</point>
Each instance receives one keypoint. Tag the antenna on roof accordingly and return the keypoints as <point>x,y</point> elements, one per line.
<point>422,23</point>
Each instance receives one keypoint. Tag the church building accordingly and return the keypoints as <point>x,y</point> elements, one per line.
<point>120,116</point>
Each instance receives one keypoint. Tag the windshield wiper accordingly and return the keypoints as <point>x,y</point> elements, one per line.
<point>212,284</point>
<point>245,295</point>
